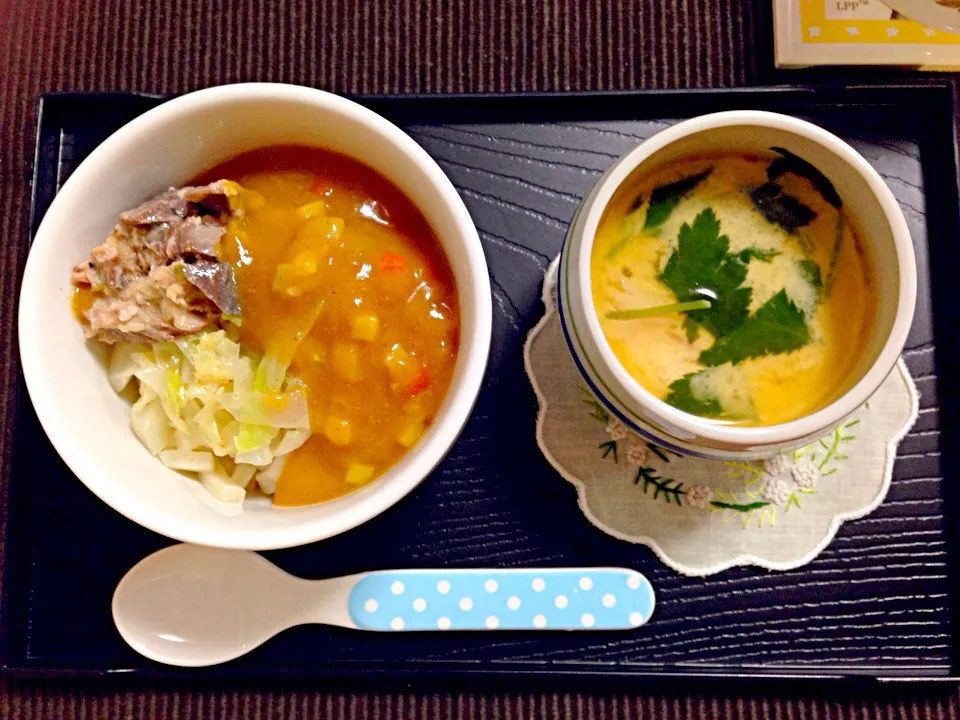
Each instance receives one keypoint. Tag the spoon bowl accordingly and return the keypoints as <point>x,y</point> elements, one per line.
<point>194,606</point>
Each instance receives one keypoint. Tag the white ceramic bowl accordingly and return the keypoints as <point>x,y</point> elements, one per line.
<point>868,203</point>
<point>89,425</point>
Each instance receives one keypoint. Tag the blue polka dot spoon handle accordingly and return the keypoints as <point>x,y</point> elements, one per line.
<point>548,599</point>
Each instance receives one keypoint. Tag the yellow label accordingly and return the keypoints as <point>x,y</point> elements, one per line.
<point>864,21</point>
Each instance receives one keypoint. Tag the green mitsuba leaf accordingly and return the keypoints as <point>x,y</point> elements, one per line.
<point>702,268</point>
<point>754,253</point>
<point>776,327</point>
<point>680,395</point>
<point>811,273</point>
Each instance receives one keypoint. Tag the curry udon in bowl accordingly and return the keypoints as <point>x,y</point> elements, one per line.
<point>288,319</point>
<point>275,325</point>
<point>733,290</point>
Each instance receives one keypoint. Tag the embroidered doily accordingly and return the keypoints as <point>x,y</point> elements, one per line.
<point>703,516</point>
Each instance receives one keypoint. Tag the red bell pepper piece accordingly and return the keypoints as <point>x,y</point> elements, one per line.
<point>419,383</point>
<point>392,261</point>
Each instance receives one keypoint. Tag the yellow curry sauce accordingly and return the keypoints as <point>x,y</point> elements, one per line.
<point>340,275</point>
<point>80,301</point>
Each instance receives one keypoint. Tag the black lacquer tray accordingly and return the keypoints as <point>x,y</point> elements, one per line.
<point>879,602</point>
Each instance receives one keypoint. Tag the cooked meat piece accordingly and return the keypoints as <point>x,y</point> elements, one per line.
<point>195,235</point>
<point>155,308</point>
<point>126,254</point>
<point>213,198</point>
<point>129,253</point>
<point>79,276</point>
<point>147,291</point>
<point>167,207</point>
<point>177,204</point>
<point>216,281</point>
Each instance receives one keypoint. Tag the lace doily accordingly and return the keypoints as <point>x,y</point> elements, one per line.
<point>703,516</point>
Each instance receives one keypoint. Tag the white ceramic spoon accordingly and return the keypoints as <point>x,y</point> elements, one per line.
<point>193,606</point>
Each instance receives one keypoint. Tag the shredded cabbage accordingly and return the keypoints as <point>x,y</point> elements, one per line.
<point>149,422</point>
<point>222,487</point>
<point>203,409</point>
<point>270,374</point>
<point>276,410</point>
<point>187,460</point>
<point>291,440</point>
<point>123,364</point>
<point>267,478</point>
<point>251,438</point>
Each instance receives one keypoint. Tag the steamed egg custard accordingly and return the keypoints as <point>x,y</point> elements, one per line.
<point>734,287</point>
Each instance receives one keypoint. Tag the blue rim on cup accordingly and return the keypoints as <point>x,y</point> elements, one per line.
<point>870,205</point>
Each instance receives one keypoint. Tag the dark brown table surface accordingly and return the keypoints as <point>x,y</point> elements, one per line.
<point>393,46</point>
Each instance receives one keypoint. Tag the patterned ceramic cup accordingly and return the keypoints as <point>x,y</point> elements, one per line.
<point>868,203</point>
